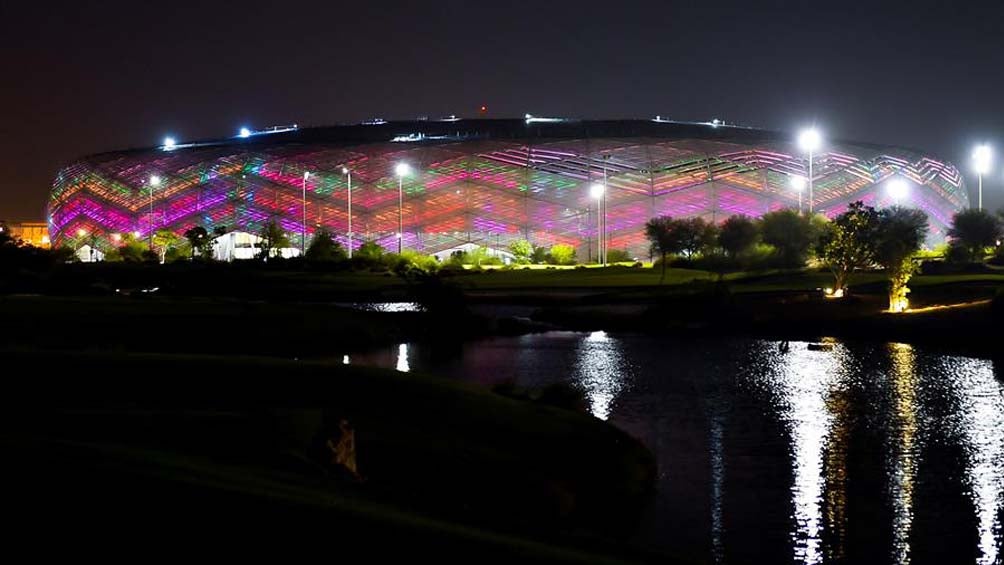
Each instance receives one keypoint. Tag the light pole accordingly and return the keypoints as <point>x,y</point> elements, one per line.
<point>401,170</point>
<point>809,141</point>
<point>154,182</point>
<point>982,156</point>
<point>348,174</point>
<point>606,159</point>
<point>303,223</point>
<point>597,191</point>
<point>798,185</point>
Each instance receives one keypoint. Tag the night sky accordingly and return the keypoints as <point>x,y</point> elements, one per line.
<point>82,78</point>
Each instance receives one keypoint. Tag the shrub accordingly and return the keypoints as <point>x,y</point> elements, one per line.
<point>562,254</point>
<point>539,255</point>
<point>324,248</point>
<point>522,250</point>
<point>618,256</point>
<point>369,250</point>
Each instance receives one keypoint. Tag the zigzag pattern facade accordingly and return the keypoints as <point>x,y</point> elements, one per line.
<point>481,190</point>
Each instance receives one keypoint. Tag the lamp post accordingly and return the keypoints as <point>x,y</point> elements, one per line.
<point>982,156</point>
<point>154,183</point>
<point>809,141</point>
<point>348,174</point>
<point>303,223</point>
<point>597,191</point>
<point>798,185</point>
<point>401,170</point>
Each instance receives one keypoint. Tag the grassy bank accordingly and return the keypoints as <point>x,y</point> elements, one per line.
<point>448,466</point>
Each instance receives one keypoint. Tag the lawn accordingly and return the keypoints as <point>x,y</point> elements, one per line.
<point>232,438</point>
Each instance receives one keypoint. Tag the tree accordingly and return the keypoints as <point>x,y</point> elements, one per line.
<point>165,240</point>
<point>974,231</point>
<point>562,254</point>
<point>790,233</point>
<point>539,255</point>
<point>696,235</point>
<point>663,238</point>
<point>131,250</point>
<point>901,232</point>
<point>737,235</point>
<point>272,239</point>
<point>369,251</point>
<point>198,240</point>
<point>325,248</point>
<point>521,250</point>
<point>850,243</point>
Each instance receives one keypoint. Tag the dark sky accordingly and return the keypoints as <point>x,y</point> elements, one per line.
<point>84,77</point>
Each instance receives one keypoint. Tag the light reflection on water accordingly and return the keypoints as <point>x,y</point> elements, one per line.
<point>801,383</point>
<point>903,449</point>
<point>382,306</point>
<point>981,421</point>
<point>601,371</point>
<point>751,436</point>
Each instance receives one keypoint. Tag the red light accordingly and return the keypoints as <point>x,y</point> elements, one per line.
<point>484,109</point>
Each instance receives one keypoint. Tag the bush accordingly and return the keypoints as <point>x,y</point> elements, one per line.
<point>415,260</point>
<point>958,254</point>
<point>618,256</point>
<point>179,252</point>
<point>369,250</point>
<point>539,255</point>
<point>562,254</point>
<point>324,248</point>
<point>522,250</point>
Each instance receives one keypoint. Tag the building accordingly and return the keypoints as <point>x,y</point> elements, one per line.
<point>31,233</point>
<point>482,182</point>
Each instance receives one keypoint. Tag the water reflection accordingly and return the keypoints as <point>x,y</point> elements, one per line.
<point>802,381</point>
<point>402,358</point>
<point>903,451</point>
<point>981,421</point>
<point>839,405</point>
<point>717,485</point>
<point>382,306</point>
<point>762,451</point>
<point>600,369</point>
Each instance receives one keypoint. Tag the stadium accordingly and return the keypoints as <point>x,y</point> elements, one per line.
<point>481,182</point>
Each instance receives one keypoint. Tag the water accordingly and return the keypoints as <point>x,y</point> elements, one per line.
<point>866,453</point>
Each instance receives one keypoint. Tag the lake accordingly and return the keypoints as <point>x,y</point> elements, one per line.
<point>859,452</point>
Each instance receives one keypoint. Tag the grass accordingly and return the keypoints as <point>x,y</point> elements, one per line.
<point>611,277</point>
<point>233,436</point>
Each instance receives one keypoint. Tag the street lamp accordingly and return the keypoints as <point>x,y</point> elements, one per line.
<point>303,224</point>
<point>154,183</point>
<point>597,191</point>
<point>401,170</point>
<point>169,143</point>
<point>810,140</point>
<point>348,174</point>
<point>797,183</point>
<point>898,189</point>
<point>982,156</point>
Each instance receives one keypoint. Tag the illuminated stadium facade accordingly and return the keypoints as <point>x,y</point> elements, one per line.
<point>481,182</point>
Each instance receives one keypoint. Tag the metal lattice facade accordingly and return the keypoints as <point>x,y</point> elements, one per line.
<point>481,181</point>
